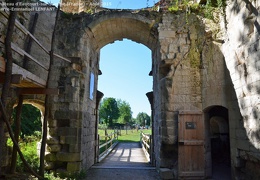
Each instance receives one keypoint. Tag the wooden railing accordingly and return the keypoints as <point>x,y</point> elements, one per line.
<point>106,144</point>
<point>145,140</point>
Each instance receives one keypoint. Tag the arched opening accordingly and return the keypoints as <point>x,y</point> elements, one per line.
<point>217,142</point>
<point>30,126</point>
<point>120,26</point>
<point>31,119</point>
<point>125,67</point>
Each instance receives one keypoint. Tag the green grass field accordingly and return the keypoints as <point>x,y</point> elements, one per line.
<point>126,135</point>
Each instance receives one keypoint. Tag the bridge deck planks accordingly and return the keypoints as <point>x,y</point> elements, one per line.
<point>125,155</point>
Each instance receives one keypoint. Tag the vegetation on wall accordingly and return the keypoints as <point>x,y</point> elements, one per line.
<point>205,9</point>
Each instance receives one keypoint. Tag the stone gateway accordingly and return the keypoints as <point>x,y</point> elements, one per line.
<point>206,84</point>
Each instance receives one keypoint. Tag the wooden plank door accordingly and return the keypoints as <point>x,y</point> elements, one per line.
<point>191,160</point>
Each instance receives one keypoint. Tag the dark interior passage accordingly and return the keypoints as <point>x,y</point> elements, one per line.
<point>220,142</point>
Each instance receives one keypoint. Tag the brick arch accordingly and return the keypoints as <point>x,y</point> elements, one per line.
<point>116,26</point>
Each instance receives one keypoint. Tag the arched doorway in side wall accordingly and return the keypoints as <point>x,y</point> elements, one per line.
<point>217,143</point>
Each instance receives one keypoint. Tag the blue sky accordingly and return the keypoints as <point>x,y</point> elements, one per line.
<point>125,64</point>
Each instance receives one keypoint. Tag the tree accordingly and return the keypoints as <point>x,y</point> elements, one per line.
<point>109,111</point>
<point>125,113</point>
<point>143,119</point>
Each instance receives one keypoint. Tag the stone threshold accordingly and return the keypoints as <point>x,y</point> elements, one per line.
<point>123,167</point>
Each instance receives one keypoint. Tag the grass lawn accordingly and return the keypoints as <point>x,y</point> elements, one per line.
<point>127,136</point>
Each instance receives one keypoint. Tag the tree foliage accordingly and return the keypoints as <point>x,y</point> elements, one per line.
<point>115,111</point>
<point>143,119</point>
<point>118,111</point>
<point>125,113</point>
<point>109,111</point>
<point>30,120</point>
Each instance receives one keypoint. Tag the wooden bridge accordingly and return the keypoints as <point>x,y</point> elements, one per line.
<point>126,161</point>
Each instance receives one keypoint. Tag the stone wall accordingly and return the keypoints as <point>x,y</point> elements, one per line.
<point>174,46</point>
<point>72,139</point>
<point>241,51</point>
<point>190,75</point>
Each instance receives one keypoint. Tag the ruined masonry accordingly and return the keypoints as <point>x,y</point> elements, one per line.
<point>206,84</point>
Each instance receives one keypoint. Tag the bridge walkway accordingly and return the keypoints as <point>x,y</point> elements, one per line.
<point>126,162</point>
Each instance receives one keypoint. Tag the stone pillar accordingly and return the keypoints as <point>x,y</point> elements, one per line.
<point>98,99</point>
<point>150,98</point>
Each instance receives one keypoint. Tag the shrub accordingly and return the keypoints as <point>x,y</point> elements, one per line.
<point>28,147</point>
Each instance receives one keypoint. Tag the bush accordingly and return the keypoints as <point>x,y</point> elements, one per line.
<point>28,147</point>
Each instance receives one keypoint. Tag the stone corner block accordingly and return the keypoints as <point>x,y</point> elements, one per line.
<point>50,157</point>
<point>166,173</point>
<point>73,166</point>
<point>68,157</point>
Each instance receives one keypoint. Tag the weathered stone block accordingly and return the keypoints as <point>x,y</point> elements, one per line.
<point>49,165</point>
<point>54,148</point>
<point>166,173</point>
<point>67,114</point>
<point>68,157</point>
<point>52,140</point>
<point>241,134</point>
<point>72,139</point>
<point>166,34</point>
<point>74,148</point>
<point>62,139</point>
<point>53,131</point>
<point>243,144</point>
<point>68,131</point>
<point>50,157</point>
<point>52,123</point>
<point>73,166</point>
<point>75,123</point>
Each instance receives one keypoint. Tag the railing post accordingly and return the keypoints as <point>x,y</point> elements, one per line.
<point>106,141</point>
<point>150,149</point>
<point>111,139</point>
<point>141,137</point>
<point>114,133</point>
<point>98,143</point>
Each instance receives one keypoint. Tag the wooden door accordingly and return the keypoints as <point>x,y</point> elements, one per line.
<point>191,160</point>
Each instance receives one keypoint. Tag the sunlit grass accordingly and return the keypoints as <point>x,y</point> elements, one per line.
<point>127,135</point>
